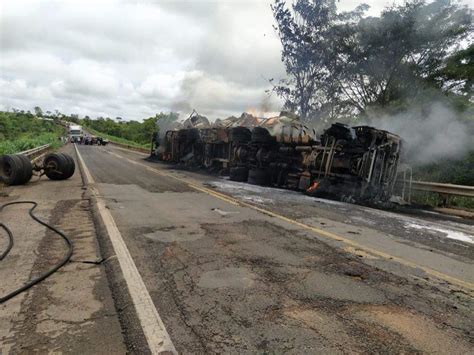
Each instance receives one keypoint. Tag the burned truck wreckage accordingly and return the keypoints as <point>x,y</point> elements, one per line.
<point>347,163</point>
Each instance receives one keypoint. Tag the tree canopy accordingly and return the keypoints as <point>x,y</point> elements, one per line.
<point>345,63</point>
<point>139,132</point>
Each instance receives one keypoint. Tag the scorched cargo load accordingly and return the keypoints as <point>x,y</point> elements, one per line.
<point>349,163</point>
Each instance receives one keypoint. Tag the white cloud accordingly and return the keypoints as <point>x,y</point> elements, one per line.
<point>135,58</point>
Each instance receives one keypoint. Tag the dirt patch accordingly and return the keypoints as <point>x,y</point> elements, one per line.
<point>422,333</point>
<point>324,324</point>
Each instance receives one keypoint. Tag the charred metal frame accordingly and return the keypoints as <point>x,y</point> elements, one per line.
<point>351,163</point>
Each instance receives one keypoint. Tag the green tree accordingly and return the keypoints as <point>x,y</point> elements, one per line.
<point>38,111</point>
<point>456,73</point>
<point>139,132</point>
<point>389,58</point>
<point>340,63</point>
<point>307,35</point>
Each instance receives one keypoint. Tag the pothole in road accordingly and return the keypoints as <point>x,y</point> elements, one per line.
<point>317,284</point>
<point>230,277</point>
<point>172,234</point>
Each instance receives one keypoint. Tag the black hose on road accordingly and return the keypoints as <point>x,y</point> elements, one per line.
<point>10,241</point>
<point>46,274</point>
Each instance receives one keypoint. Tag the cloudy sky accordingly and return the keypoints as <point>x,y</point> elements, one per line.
<point>136,58</point>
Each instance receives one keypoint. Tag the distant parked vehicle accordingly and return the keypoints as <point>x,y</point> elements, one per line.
<point>102,141</point>
<point>75,133</point>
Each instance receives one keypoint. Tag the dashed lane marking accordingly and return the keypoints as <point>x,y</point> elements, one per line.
<point>236,202</point>
<point>154,330</point>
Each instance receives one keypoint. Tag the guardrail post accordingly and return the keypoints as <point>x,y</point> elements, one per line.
<point>445,200</point>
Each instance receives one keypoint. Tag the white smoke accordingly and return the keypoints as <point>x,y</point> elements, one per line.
<point>430,134</point>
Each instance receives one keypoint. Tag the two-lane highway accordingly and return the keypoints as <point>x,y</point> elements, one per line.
<point>233,267</point>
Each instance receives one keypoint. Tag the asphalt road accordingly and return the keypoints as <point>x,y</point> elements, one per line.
<point>233,267</point>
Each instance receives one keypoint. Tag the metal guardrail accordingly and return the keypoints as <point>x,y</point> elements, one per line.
<point>443,189</point>
<point>35,152</point>
<point>131,147</point>
<point>405,185</point>
<point>123,145</point>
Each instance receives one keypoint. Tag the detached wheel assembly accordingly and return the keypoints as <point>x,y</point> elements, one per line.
<point>58,166</point>
<point>27,168</point>
<point>15,169</point>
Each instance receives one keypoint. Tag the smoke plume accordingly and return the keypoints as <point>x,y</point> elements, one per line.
<point>430,134</point>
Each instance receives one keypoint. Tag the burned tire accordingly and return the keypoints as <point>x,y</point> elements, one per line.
<point>12,170</point>
<point>71,166</point>
<point>259,176</point>
<point>261,135</point>
<point>27,168</point>
<point>240,135</point>
<point>239,173</point>
<point>56,166</point>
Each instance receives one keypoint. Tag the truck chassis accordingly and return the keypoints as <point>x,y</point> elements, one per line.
<point>349,163</point>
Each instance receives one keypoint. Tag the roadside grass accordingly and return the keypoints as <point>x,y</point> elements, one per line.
<point>25,143</point>
<point>434,200</point>
<point>118,139</point>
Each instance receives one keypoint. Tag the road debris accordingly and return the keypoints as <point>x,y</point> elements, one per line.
<point>17,169</point>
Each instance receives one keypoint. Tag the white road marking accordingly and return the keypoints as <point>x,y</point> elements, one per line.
<point>89,179</point>
<point>155,332</point>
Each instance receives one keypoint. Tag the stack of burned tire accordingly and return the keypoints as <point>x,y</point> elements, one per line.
<point>15,169</point>
<point>259,175</point>
<point>58,166</point>
<point>261,135</point>
<point>239,136</point>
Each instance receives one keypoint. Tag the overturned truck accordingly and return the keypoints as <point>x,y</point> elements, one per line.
<point>348,163</point>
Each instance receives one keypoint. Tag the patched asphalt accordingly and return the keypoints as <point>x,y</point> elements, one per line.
<point>227,278</point>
